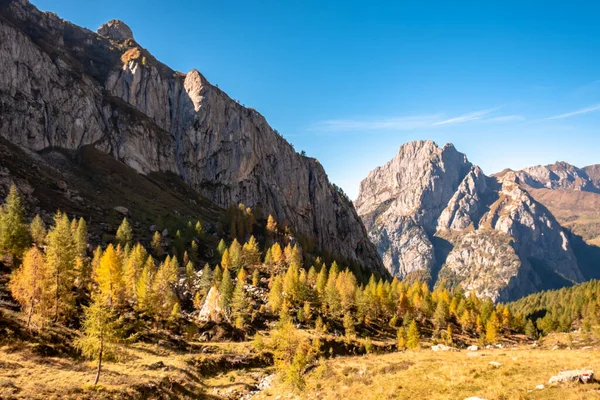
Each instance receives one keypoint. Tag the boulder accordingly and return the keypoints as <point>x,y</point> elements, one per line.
<point>165,233</point>
<point>472,348</point>
<point>578,375</point>
<point>540,387</point>
<point>495,364</point>
<point>442,347</point>
<point>153,228</point>
<point>211,309</point>
<point>122,210</point>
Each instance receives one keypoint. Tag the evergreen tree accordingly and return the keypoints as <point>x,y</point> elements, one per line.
<point>61,257</point>
<point>226,290</point>
<point>81,238</point>
<point>100,334</point>
<point>27,284</point>
<point>37,228</point>
<point>190,277</point>
<point>221,247</point>
<point>194,252</point>
<point>217,276</point>
<point>124,233</point>
<point>14,235</point>
<point>413,336</point>
<point>206,281</point>
<point>239,302</point>
<point>235,254</point>
<point>442,315</point>
<point>530,330</point>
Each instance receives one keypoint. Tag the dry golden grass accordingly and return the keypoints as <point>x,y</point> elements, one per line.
<point>426,374</point>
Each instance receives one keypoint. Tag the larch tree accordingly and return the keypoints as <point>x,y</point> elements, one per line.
<point>235,254</point>
<point>61,256</point>
<point>199,230</point>
<point>132,270</point>
<point>109,277</point>
<point>226,291</point>
<point>492,328</point>
<point>271,226</point>
<point>143,286</point>
<point>27,284</point>
<point>226,260</point>
<point>124,234</point>
<point>100,334</point>
<point>239,302</point>
<point>275,294</point>
<point>14,233</point>
<point>157,244</point>
<point>38,231</point>
<point>163,288</point>
<point>251,252</point>
<point>221,247</point>
<point>255,277</point>
<point>413,336</point>
<point>206,281</point>
<point>277,256</point>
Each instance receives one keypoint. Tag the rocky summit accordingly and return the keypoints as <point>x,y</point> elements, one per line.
<point>434,215</point>
<point>62,86</point>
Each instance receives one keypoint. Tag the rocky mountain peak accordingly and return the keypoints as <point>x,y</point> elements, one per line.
<point>116,30</point>
<point>432,214</point>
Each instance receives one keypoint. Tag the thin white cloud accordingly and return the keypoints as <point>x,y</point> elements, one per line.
<point>578,112</point>
<point>394,123</point>
<point>467,117</point>
<point>411,122</point>
<point>505,118</point>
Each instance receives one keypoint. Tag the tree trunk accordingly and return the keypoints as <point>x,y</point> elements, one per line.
<point>56,301</point>
<point>30,314</point>
<point>99,362</point>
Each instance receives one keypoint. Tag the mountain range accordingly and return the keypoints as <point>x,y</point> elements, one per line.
<point>433,215</point>
<point>90,121</point>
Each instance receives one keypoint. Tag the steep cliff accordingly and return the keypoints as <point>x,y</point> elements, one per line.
<point>65,86</point>
<point>431,211</point>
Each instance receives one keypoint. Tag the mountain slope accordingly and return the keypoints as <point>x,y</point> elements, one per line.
<point>431,213</point>
<point>65,86</point>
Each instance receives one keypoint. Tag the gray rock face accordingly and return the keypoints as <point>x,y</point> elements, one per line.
<point>559,175</point>
<point>116,30</point>
<point>430,210</point>
<point>65,86</point>
<point>401,202</point>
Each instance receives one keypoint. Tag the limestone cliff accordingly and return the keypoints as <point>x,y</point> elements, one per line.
<point>431,211</point>
<point>65,86</point>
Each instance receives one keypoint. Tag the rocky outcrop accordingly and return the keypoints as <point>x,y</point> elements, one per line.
<point>429,210</point>
<point>65,86</point>
<point>115,29</point>
<point>401,202</point>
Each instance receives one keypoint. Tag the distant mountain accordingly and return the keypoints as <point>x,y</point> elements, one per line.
<point>433,214</point>
<point>572,194</point>
<point>63,86</point>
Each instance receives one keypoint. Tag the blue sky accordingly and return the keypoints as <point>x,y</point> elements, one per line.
<point>510,85</point>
